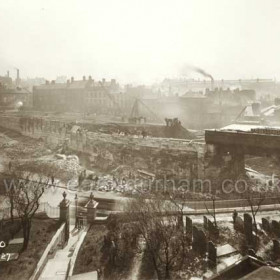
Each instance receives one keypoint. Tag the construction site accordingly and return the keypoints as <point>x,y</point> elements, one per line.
<point>99,166</point>
<point>139,140</point>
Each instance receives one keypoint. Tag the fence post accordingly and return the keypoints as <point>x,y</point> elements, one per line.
<point>64,215</point>
<point>91,209</point>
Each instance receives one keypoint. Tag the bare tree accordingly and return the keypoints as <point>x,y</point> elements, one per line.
<point>26,203</point>
<point>276,191</point>
<point>156,223</point>
<point>12,184</point>
<point>213,211</point>
<point>179,199</point>
<point>255,202</point>
<point>10,193</point>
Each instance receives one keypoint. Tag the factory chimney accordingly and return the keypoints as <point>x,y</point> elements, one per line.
<point>8,74</point>
<point>18,78</point>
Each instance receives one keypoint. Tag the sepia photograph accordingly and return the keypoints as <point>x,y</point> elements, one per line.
<point>140,140</point>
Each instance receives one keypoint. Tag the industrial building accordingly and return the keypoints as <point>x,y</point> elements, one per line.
<point>12,95</point>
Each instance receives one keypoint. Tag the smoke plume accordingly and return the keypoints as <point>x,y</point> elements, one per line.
<point>197,70</point>
<point>202,72</point>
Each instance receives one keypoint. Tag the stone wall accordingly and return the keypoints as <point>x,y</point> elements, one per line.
<point>56,243</point>
<point>251,143</point>
<point>161,156</point>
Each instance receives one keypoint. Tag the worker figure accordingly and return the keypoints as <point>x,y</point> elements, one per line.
<point>144,134</point>
<point>234,216</point>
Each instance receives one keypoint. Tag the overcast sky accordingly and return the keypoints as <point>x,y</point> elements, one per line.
<point>140,41</point>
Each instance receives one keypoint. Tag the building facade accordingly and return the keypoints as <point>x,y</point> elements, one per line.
<point>84,95</point>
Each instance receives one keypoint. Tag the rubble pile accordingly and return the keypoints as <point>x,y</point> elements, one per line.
<point>26,150</point>
<point>6,141</point>
<point>61,168</point>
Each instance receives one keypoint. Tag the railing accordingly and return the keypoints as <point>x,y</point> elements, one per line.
<point>81,237</point>
<point>5,213</point>
<point>44,207</point>
<point>68,270</point>
<point>51,211</point>
<point>199,205</point>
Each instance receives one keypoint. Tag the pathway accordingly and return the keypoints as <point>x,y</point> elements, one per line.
<point>56,268</point>
<point>137,262</point>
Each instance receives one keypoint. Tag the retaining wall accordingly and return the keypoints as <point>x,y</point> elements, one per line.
<point>57,240</point>
<point>161,156</point>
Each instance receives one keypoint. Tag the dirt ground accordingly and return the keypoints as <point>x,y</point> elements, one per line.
<point>42,231</point>
<point>89,257</point>
<point>265,165</point>
<point>34,156</point>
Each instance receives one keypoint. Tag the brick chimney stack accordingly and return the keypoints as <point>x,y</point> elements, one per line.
<point>18,78</point>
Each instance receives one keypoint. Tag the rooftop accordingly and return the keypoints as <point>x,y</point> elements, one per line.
<point>264,272</point>
<point>246,127</point>
<point>16,90</point>
<point>240,269</point>
<point>77,84</point>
